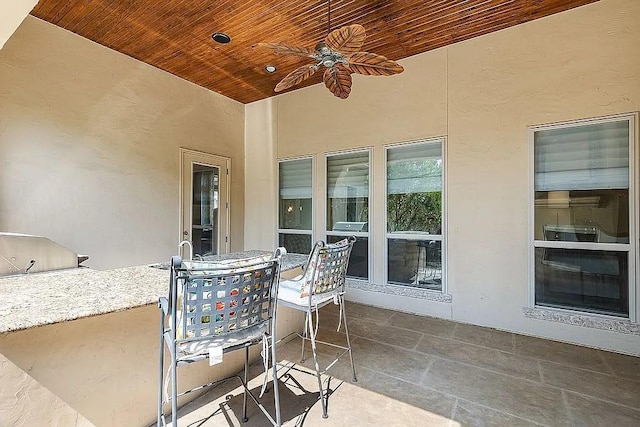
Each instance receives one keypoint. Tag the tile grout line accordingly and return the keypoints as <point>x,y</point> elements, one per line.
<point>588,396</point>
<point>421,385</point>
<point>432,362</point>
<point>426,371</point>
<point>482,405</point>
<point>591,371</point>
<point>448,360</point>
<point>388,321</point>
<point>423,336</point>
<point>540,371</point>
<point>453,332</point>
<point>537,383</point>
<point>449,337</point>
<point>567,408</point>
<point>453,412</point>
<point>415,346</point>
<point>495,372</point>
<point>606,364</point>
<point>513,336</point>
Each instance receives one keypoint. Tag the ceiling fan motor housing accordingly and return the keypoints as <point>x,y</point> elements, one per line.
<point>328,57</point>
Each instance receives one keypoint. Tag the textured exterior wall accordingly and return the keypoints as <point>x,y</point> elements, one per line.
<point>27,403</point>
<point>261,175</point>
<point>90,145</point>
<point>12,13</point>
<point>578,64</point>
<point>481,95</point>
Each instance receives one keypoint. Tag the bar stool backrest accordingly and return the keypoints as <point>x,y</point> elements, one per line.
<point>326,268</point>
<point>218,299</point>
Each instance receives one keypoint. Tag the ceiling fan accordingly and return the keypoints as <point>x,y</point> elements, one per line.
<point>340,54</point>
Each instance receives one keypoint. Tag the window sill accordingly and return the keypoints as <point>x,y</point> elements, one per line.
<point>405,291</point>
<point>622,326</point>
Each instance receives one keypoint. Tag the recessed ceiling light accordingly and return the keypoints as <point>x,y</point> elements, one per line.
<point>270,68</point>
<point>221,37</point>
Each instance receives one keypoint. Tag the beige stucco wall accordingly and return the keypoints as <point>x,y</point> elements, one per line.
<point>481,95</point>
<point>12,13</point>
<point>90,144</point>
<point>27,403</point>
<point>260,174</point>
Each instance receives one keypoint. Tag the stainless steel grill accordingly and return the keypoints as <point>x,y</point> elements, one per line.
<point>24,253</point>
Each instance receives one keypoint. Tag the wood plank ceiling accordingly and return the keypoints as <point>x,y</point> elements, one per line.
<point>175,35</point>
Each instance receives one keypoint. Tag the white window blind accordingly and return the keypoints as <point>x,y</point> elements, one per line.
<point>296,179</point>
<point>585,157</point>
<point>415,168</point>
<point>348,175</point>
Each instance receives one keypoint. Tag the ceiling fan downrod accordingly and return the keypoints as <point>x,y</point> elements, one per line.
<point>328,16</point>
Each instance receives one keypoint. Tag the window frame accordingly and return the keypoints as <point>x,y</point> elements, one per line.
<point>630,248</point>
<point>419,236</point>
<point>369,233</point>
<point>312,232</point>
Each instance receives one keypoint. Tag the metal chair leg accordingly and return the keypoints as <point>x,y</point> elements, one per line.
<point>244,395</point>
<point>346,331</point>
<point>276,393</point>
<point>161,373</point>
<point>307,323</point>
<point>174,386</point>
<point>265,380</point>
<point>323,398</point>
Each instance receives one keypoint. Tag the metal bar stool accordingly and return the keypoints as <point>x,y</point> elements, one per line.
<point>216,308</point>
<point>321,283</point>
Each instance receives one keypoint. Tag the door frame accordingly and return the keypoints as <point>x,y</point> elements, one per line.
<point>211,160</point>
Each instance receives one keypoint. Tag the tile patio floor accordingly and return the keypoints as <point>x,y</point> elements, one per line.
<point>421,371</point>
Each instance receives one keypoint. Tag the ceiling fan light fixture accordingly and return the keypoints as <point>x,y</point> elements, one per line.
<point>221,38</point>
<point>270,68</point>
<point>339,53</point>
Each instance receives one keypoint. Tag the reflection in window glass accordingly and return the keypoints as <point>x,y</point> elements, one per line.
<point>414,207</point>
<point>348,192</point>
<point>415,263</point>
<point>359,259</point>
<point>593,281</point>
<point>581,204</point>
<point>296,243</point>
<point>582,215</point>
<point>295,204</point>
<point>414,188</point>
<point>204,214</point>
<point>582,183</point>
<point>295,194</point>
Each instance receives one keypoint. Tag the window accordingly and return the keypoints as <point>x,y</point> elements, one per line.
<point>295,205</point>
<point>348,206</point>
<point>414,214</point>
<point>583,228</point>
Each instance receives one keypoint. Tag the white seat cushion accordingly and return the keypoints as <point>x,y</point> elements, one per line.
<point>290,294</point>
<point>290,291</point>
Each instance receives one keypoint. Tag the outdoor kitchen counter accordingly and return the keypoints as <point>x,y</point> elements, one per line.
<point>31,300</point>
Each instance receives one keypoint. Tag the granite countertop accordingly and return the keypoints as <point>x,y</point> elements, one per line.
<point>31,300</point>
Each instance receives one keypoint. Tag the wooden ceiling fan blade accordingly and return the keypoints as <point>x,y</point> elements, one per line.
<point>371,64</point>
<point>338,80</point>
<point>296,76</point>
<point>285,49</point>
<point>346,40</point>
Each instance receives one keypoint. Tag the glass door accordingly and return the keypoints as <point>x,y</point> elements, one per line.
<point>205,206</point>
